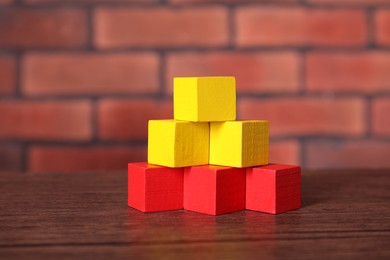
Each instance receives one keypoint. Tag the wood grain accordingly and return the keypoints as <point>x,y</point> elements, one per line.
<point>344,214</point>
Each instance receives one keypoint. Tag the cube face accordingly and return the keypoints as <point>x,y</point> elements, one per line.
<point>205,99</point>
<point>230,190</point>
<point>136,185</point>
<point>185,99</point>
<point>154,188</point>
<point>214,190</point>
<point>273,188</point>
<point>161,142</point>
<point>288,196</point>
<point>175,143</point>
<point>260,190</point>
<point>200,190</point>
<point>239,143</point>
<point>255,144</point>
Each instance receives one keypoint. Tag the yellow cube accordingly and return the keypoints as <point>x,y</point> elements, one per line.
<point>175,143</point>
<point>239,143</point>
<point>204,99</point>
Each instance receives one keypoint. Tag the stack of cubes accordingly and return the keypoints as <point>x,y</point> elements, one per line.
<point>205,161</point>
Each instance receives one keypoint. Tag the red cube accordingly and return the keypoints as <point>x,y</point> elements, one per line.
<point>153,188</point>
<point>214,190</point>
<point>273,188</point>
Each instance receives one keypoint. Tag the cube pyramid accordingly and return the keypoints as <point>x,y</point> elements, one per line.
<point>223,162</point>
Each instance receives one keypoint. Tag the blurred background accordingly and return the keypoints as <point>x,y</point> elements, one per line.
<point>80,78</point>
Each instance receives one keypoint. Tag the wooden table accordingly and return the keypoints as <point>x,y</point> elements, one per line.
<point>345,214</point>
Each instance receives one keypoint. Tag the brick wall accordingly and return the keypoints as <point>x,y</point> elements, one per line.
<point>80,78</point>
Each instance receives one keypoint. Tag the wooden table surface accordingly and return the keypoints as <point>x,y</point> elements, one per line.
<point>344,214</point>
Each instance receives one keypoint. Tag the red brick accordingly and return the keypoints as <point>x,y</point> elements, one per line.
<point>300,27</point>
<point>382,22</point>
<point>349,2</point>
<point>348,154</point>
<point>69,159</point>
<point>128,119</point>
<point>54,28</point>
<point>10,157</point>
<point>257,72</point>
<point>285,152</point>
<point>348,72</point>
<point>4,2</point>
<point>46,120</point>
<point>307,116</point>
<point>381,116</point>
<point>78,74</point>
<point>7,74</point>
<point>160,27</point>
